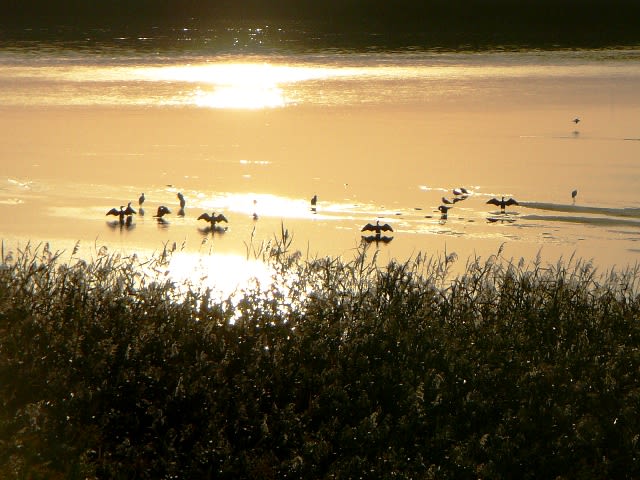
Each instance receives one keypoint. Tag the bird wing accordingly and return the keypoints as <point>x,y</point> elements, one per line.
<point>129,210</point>
<point>221,218</point>
<point>113,211</point>
<point>369,228</point>
<point>494,201</point>
<point>511,201</point>
<point>205,216</point>
<point>386,228</point>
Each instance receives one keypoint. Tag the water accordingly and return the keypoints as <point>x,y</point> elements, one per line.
<point>256,121</point>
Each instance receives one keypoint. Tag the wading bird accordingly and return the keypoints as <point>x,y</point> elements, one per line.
<point>444,210</point>
<point>574,194</point>
<point>213,218</point>
<point>141,200</point>
<point>129,210</point>
<point>576,120</point>
<point>121,214</point>
<point>314,200</point>
<point>162,211</point>
<point>377,228</point>
<point>503,204</point>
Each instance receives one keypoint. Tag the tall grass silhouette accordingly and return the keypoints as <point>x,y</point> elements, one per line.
<point>336,369</point>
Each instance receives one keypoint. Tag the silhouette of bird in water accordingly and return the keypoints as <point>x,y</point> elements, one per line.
<point>444,210</point>
<point>120,213</point>
<point>576,120</point>
<point>162,211</point>
<point>182,204</point>
<point>129,210</point>
<point>377,228</point>
<point>140,202</point>
<point>314,201</point>
<point>213,218</point>
<point>503,204</point>
<point>574,194</point>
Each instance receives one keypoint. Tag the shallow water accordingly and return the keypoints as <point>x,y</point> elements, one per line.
<point>376,135</point>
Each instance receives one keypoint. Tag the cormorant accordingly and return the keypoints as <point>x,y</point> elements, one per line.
<point>503,204</point>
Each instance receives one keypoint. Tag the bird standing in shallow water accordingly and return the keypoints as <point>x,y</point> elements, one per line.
<point>162,211</point>
<point>377,228</point>
<point>120,213</point>
<point>503,204</point>
<point>574,194</point>
<point>213,218</point>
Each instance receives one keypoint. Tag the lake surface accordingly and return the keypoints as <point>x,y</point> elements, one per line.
<point>252,130</point>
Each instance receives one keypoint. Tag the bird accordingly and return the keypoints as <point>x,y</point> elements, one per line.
<point>576,120</point>
<point>129,210</point>
<point>141,199</point>
<point>213,218</point>
<point>120,213</point>
<point>377,228</point>
<point>503,204</point>
<point>182,200</point>
<point>574,194</point>
<point>162,211</point>
<point>314,200</point>
<point>444,210</point>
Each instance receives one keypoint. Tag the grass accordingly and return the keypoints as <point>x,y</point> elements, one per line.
<point>338,369</point>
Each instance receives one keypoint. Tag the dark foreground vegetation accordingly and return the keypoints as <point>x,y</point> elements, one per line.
<point>339,370</point>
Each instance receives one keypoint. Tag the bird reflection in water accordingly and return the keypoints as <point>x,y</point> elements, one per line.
<point>377,229</point>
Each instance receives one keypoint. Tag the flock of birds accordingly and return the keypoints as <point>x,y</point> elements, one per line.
<point>125,214</point>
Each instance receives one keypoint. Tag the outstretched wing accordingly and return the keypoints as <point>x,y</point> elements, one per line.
<point>221,218</point>
<point>205,216</point>
<point>494,201</point>
<point>369,228</point>
<point>129,210</point>
<point>386,228</point>
<point>114,211</point>
<point>511,201</point>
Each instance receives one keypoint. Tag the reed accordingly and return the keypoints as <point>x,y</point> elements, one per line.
<point>337,369</point>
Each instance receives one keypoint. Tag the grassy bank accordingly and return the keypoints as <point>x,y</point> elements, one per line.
<point>341,369</point>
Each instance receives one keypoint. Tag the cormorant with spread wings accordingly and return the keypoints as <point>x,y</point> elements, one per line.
<point>503,204</point>
<point>377,228</point>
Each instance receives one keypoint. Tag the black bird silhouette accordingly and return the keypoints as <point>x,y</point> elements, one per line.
<point>576,120</point>
<point>141,199</point>
<point>213,218</point>
<point>162,211</point>
<point>377,228</point>
<point>314,200</point>
<point>182,200</point>
<point>503,204</point>
<point>574,194</point>
<point>121,214</point>
<point>129,210</point>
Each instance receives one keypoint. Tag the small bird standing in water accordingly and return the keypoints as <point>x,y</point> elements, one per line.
<point>120,213</point>
<point>576,120</point>
<point>162,211</point>
<point>574,194</point>
<point>503,204</point>
<point>377,228</point>
<point>213,218</point>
